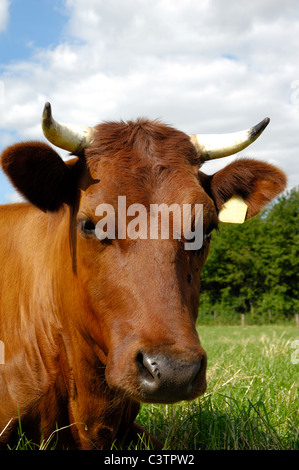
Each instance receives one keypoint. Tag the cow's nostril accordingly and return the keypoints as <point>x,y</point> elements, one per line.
<point>143,366</point>
<point>154,369</point>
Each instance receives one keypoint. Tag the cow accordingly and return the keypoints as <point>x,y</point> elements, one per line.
<point>92,325</point>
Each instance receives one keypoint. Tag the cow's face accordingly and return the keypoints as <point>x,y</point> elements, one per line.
<point>144,292</point>
<point>139,295</point>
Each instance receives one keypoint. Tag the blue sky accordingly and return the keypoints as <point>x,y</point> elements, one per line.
<point>204,67</point>
<point>32,23</point>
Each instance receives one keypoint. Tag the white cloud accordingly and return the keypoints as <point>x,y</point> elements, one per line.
<point>4,14</point>
<point>13,197</point>
<point>206,66</point>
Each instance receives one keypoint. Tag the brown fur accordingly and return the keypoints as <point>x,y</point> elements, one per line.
<point>76,311</point>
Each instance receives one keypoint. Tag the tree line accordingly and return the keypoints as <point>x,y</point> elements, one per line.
<point>252,268</point>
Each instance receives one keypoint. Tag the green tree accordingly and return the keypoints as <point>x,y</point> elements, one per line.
<point>253,268</point>
<point>282,253</point>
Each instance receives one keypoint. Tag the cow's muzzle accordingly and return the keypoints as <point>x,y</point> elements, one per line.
<point>163,379</point>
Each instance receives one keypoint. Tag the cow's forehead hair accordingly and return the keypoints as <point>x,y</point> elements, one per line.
<point>152,142</point>
<point>148,162</point>
<point>142,157</point>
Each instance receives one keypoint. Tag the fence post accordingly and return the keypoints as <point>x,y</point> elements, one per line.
<point>214,315</point>
<point>242,319</point>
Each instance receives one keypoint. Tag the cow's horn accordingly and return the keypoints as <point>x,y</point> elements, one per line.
<point>71,138</point>
<point>212,146</point>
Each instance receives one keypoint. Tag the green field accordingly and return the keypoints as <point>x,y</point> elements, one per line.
<point>252,397</point>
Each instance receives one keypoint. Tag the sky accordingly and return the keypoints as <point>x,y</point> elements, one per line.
<point>202,66</point>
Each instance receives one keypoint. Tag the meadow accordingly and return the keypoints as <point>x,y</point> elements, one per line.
<point>251,402</point>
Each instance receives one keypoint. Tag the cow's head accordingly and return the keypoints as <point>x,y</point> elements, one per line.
<point>140,294</point>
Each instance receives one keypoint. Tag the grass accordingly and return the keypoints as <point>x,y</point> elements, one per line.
<point>252,397</point>
<point>251,402</point>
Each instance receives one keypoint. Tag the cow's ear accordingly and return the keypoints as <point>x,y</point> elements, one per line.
<point>40,175</point>
<point>254,182</point>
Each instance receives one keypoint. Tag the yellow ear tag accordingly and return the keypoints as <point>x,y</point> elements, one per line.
<point>233,211</point>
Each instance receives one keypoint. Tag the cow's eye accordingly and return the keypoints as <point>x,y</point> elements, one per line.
<point>88,227</point>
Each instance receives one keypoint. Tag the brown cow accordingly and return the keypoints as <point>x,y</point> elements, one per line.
<point>92,327</point>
